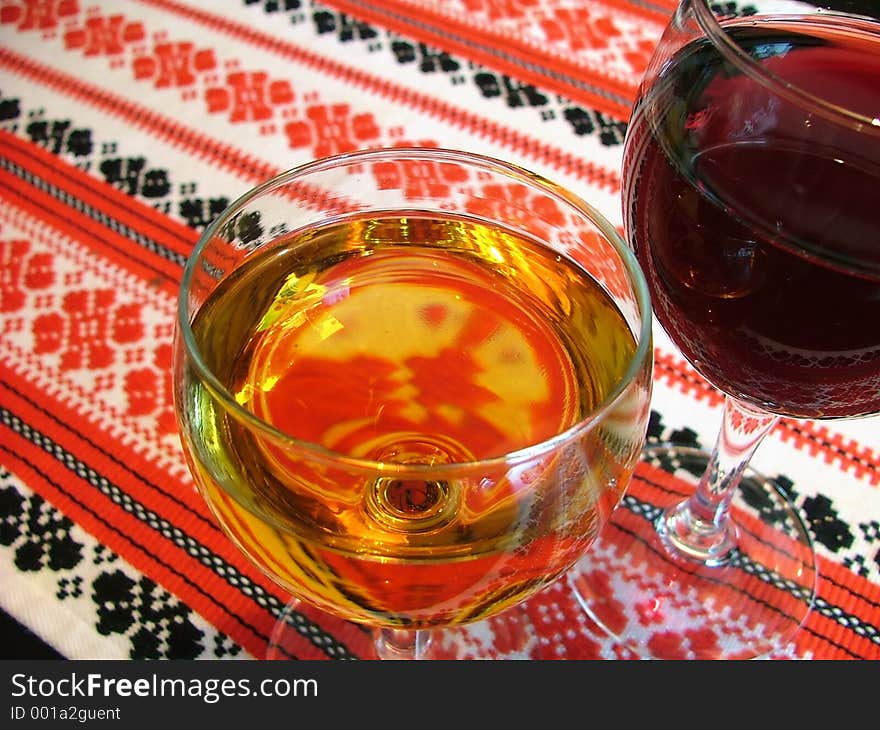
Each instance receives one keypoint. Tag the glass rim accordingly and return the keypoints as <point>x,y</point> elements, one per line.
<point>644,346</point>
<point>714,30</point>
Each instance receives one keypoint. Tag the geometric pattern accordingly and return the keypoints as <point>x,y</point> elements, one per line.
<point>125,129</point>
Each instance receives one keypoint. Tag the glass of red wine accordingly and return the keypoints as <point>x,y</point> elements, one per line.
<point>752,201</point>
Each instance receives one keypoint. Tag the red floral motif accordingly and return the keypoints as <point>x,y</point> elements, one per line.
<point>700,642</point>
<point>579,28</point>
<point>595,252</point>
<point>148,390</point>
<point>639,57</point>
<point>245,97</point>
<point>418,178</point>
<point>173,64</point>
<point>38,14</point>
<point>166,422</point>
<point>79,331</point>
<point>744,423</point>
<point>736,419</point>
<point>668,644</point>
<point>509,635</point>
<point>299,134</point>
<point>650,612</point>
<point>143,389</point>
<point>12,296</point>
<point>501,9</point>
<point>127,325</point>
<point>48,333</point>
<point>20,272</point>
<point>39,272</point>
<point>517,205</point>
<point>104,36</point>
<point>599,583</point>
<point>331,129</point>
<point>703,641</point>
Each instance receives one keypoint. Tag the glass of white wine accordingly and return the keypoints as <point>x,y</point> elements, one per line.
<point>412,383</point>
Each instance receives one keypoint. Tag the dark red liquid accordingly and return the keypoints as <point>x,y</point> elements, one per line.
<point>758,224</point>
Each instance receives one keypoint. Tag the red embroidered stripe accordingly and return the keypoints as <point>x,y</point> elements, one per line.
<point>128,502</point>
<point>189,557</point>
<point>157,270</point>
<point>108,202</point>
<point>135,540</point>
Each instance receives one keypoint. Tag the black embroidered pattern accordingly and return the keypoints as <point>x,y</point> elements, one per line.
<point>857,563</point>
<point>825,525</point>
<point>39,536</point>
<point>732,8</point>
<point>157,625</point>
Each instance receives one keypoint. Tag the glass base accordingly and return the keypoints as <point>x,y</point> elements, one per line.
<point>509,635</point>
<point>658,605</point>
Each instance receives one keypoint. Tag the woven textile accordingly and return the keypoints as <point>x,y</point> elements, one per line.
<point>126,127</point>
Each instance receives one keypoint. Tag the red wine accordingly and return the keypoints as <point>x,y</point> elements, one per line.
<point>758,224</point>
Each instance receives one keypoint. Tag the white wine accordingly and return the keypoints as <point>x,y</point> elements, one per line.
<point>409,341</point>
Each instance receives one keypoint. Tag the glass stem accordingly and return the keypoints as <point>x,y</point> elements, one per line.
<point>700,528</point>
<point>402,643</point>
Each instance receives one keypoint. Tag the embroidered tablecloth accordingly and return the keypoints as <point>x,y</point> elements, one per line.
<point>125,127</point>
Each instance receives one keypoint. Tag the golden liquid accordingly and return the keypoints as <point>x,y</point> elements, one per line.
<point>409,341</point>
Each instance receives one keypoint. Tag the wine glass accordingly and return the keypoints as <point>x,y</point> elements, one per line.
<point>412,383</point>
<point>751,170</point>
